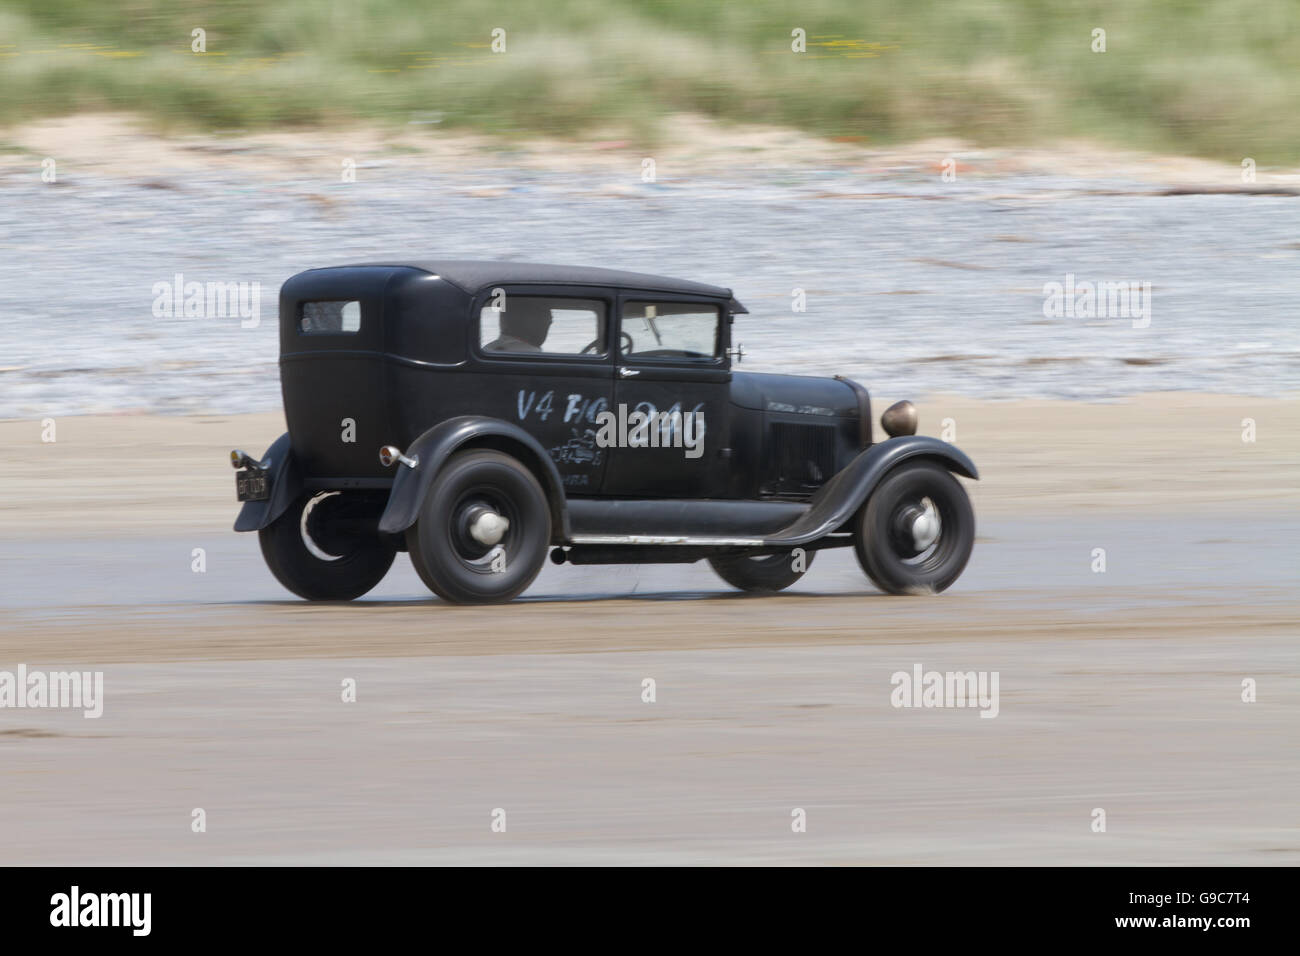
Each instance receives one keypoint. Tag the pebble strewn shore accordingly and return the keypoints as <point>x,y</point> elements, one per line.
<point>909,283</point>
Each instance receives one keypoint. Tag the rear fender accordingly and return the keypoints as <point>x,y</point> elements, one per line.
<point>286,486</point>
<point>432,449</point>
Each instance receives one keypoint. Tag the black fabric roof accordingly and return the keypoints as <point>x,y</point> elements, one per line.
<point>474,275</point>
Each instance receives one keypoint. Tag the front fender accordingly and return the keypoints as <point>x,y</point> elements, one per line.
<point>436,445</point>
<point>286,486</point>
<point>838,499</point>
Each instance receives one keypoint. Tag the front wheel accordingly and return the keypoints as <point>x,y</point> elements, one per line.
<point>326,547</point>
<point>917,530</point>
<point>768,572</point>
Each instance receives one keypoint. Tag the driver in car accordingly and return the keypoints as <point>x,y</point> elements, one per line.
<point>524,326</point>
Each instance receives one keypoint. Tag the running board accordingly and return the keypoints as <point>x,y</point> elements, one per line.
<point>664,539</point>
<point>685,522</point>
<point>672,549</point>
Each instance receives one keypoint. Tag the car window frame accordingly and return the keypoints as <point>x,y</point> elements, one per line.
<point>526,290</point>
<point>643,295</point>
<point>361,318</point>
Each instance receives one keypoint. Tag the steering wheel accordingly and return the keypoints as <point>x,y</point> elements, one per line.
<point>624,341</point>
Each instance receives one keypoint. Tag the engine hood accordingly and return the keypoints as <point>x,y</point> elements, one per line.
<point>794,394</point>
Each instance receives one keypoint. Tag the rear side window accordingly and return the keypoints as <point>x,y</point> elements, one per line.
<point>543,325</point>
<point>680,330</point>
<point>329,318</point>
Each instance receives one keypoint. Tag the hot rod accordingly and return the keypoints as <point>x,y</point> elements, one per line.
<point>480,414</point>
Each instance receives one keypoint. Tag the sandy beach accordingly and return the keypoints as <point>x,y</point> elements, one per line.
<point>128,147</point>
<point>1067,234</point>
<point>1120,690</point>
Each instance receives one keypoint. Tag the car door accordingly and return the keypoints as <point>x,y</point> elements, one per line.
<point>671,365</point>
<point>547,367</point>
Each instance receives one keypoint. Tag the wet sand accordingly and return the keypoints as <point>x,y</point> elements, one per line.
<point>1119,690</point>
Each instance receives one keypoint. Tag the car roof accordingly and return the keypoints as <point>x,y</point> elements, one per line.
<point>473,275</point>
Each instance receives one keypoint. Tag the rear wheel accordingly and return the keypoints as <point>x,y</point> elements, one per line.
<point>327,547</point>
<point>917,530</point>
<point>767,572</point>
<point>483,529</point>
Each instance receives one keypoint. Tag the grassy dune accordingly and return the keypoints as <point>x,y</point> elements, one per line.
<point>1218,78</point>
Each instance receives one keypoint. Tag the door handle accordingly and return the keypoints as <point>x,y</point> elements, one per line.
<point>625,372</point>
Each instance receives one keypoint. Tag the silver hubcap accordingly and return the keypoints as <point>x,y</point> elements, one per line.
<point>488,528</point>
<point>926,527</point>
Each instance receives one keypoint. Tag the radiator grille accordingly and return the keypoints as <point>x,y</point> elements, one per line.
<point>801,458</point>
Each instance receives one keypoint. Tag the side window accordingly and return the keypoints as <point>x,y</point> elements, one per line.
<point>315,318</point>
<point>680,330</point>
<point>543,325</point>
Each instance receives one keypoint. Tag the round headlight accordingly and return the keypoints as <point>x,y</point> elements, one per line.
<point>899,419</point>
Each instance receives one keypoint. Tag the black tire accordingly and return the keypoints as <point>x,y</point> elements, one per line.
<point>881,537</point>
<point>766,573</point>
<point>297,549</point>
<point>449,561</point>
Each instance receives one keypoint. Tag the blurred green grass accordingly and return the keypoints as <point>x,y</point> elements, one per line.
<point>1217,78</point>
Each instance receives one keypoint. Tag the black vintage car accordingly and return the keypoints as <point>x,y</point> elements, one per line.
<point>479,414</point>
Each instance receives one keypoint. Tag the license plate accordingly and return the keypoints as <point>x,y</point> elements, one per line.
<point>252,485</point>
